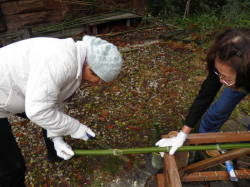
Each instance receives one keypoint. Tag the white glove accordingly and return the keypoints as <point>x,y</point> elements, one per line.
<point>63,150</point>
<point>174,142</point>
<point>83,132</point>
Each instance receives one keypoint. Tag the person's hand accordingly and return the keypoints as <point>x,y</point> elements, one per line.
<point>174,142</point>
<point>63,150</point>
<point>83,133</point>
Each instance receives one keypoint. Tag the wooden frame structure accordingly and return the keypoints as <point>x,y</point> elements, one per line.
<point>109,17</point>
<point>177,171</point>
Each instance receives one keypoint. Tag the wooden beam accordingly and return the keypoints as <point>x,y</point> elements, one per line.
<point>206,176</point>
<point>114,17</point>
<point>214,175</point>
<point>219,137</point>
<point>171,173</point>
<point>210,162</point>
<point>64,33</point>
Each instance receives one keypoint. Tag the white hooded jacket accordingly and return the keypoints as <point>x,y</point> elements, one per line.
<point>37,75</point>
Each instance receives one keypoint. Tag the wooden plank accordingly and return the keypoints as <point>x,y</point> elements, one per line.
<point>119,16</point>
<point>214,175</point>
<point>210,162</point>
<point>219,137</point>
<point>171,173</point>
<point>64,33</point>
<point>207,176</point>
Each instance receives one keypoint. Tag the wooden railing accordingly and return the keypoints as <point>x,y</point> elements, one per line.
<point>176,170</point>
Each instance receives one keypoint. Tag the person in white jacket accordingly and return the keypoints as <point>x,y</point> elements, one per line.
<point>37,75</point>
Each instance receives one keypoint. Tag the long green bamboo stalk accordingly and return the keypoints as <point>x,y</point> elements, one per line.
<point>118,152</point>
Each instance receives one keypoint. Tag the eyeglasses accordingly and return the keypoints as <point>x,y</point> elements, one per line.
<point>227,82</point>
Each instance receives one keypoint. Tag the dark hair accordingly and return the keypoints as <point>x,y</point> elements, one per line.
<point>233,48</point>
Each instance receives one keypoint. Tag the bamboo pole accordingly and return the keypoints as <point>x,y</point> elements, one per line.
<point>117,152</point>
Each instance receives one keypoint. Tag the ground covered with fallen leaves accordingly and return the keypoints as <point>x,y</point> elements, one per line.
<point>151,96</point>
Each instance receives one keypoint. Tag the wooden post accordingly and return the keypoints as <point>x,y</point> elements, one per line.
<point>128,24</point>
<point>171,171</point>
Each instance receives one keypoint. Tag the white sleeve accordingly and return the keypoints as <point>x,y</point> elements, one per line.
<point>41,102</point>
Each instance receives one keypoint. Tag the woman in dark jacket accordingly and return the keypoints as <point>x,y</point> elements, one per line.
<point>228,62</point>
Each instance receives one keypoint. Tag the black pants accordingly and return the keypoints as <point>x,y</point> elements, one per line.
<point>12,163</point>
